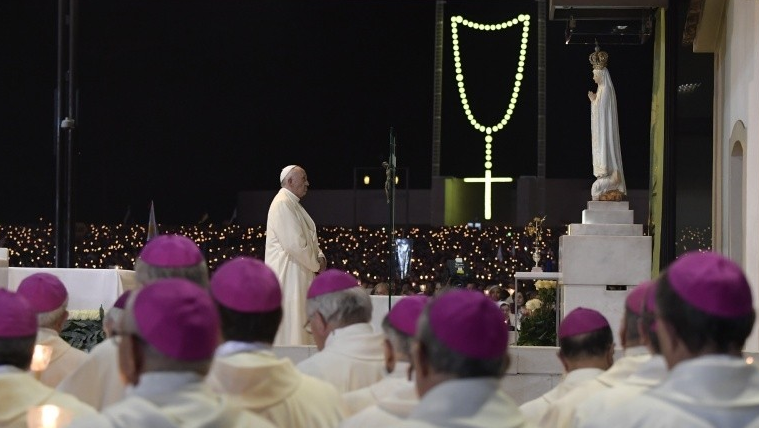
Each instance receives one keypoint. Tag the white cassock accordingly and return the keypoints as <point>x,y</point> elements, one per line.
<point>19,391</point>
<point>258,381</point>
<point>561,413</point>
<point>475,402</point>
<point>352,358</point>
<point>535,410</point>
<point>64,359</point>
<point>292,252</point>
<point>359,399</point>
<point>390,409</point>
<point>172,400</point>
<point>97,381</point>
<point>648,375</point>
<point>710,391</point>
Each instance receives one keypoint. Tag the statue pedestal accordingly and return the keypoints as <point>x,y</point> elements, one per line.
<point>602,259</point>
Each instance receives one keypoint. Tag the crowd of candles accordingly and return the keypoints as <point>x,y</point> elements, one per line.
<point>492,253</point>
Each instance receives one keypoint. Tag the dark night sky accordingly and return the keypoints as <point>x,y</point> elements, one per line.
<point>187,103</point>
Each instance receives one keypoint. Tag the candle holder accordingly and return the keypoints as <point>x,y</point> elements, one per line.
<point>41,359</point>
<point>48,416</point>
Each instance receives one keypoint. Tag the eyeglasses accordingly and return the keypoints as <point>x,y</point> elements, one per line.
<point>307,326</point>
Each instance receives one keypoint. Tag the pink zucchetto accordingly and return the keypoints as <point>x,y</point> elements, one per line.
<point>636,298</point>
<point>245,284</point>
<point>17,318</point>
<point>651,297</point>
<point>171,251</point>
<point>581,321</point>
<point>469,323</point>
<point>330,281</point>
<point>404,315</point>
<point>120,303</point>
<point>43,291</point>
<point>286,170</point>
<point>712,284</point>
<point>177,318</point>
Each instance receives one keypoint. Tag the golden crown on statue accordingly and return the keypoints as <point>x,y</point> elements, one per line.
<point>599,59</point>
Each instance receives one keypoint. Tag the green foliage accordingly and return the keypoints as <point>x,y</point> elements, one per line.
<point>539,328</point>
<point>84,334</point>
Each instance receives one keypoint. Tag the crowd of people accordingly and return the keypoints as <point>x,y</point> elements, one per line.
<point>189,348</point>
<point>362,251</point>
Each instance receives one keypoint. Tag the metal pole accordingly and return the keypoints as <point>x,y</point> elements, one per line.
<point>390,188</point>
<point>541,173</point>
<point>437,86</point>
<point>65,110</point>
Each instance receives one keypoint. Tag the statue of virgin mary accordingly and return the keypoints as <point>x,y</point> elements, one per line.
<point>607,157</point>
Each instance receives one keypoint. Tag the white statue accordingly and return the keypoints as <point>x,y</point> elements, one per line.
<point>607,157</point>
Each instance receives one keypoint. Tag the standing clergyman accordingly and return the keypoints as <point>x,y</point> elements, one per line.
<point>292,251</point>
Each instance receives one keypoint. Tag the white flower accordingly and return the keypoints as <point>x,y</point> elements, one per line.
<point>533,304</point>
<point>84,314</point>
<point>544,283</point>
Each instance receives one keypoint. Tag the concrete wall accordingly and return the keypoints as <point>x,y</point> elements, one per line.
<point>450,201</point>
<point>736,71</point>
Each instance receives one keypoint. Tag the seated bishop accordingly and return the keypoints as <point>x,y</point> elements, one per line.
<point>167,337</point>
<point>459,357</point>
<point>586,349</point>
<point>19,390</point>
<point>394,397</point>
<point>339,313</point>
<point>249,299</point>
<point>49,299</point>
<point>704,314</point>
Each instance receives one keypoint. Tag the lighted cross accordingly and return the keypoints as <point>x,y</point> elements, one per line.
<point>489,131</point>
<point>488,180</point>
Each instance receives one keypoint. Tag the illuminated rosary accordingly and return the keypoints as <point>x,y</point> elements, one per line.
<point>489,131</point>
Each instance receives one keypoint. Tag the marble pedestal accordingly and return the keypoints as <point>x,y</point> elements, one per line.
<point>602,259</point>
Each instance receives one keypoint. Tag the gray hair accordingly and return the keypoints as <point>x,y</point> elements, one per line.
<point>445,360</point>
<point>50,319</point>
<point>112,320</point>
<point>342,308</point>
<point>400,341</point>
<point>154,360</point>
<point>147,273</point>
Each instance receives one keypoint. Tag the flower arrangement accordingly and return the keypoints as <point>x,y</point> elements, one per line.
<point>84,314</point>
<point>538,328</point>
<point>535,229</point>
<point>84,328</point>
<point>533,305</point>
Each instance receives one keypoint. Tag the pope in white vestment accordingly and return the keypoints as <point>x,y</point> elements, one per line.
<point>97,380</point>
<point>292,251</point>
